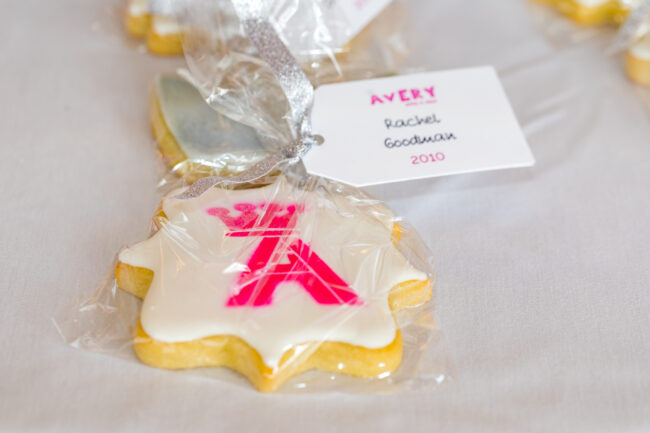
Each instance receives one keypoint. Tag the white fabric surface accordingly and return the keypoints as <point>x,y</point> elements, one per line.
<point>543,273</point>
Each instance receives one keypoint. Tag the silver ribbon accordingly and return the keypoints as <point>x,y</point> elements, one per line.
<point>254,17</point>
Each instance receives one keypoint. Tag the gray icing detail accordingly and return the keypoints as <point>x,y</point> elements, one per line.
<point>201,132</point>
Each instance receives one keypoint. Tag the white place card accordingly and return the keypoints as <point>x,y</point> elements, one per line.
<point>415,126</point>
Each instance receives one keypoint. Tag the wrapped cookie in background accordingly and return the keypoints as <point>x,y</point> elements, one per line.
<point>195,140</point>
<point>333,40</point>
<point>330,42</point>
<point>153,22</point>
<point>291,281</point>
<point>567,22</point>
<point>633,40</point>
<point>637,59</point>
<point>590,13</point>
<point>618,27</point>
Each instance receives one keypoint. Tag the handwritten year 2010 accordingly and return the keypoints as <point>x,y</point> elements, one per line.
<point>424,158</point>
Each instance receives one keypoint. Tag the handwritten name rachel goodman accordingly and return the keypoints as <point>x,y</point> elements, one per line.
<point>415,139</point>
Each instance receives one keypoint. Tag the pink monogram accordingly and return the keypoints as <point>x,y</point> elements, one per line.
<point>264,272</point>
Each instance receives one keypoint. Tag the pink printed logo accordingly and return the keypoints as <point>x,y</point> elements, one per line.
<point>413,96</point>
<point>280,257</point>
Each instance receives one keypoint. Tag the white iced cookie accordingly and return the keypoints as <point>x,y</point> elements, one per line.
<point>637,59</point>
<point>270,282</point>
<point>160,30</point>
<point>136,17</point>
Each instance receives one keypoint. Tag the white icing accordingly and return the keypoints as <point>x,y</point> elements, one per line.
<point>641,48</point>
<point>592,3</point>
<point>631,4</point>
<point>161,7</point>
<point>155,7</point>
<point>195,267</point>
<point>164,25</point>
<point>626,4</point>
<point>138,7</point>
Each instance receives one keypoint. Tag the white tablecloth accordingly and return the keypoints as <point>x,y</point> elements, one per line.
<point>543,274</point>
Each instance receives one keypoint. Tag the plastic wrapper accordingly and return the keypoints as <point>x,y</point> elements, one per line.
<point>194,139</point>
<point>225,68</point>
<point>567,22</point>
<point>593,12</point>
<point>224,65</point>
<point>558,27</point>
<point>296,279</point>
<point>285,279</point>
<point>329,44</point>
<point>321,33</point>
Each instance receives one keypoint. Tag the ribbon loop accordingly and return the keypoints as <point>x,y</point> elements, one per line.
<point>254,18</point>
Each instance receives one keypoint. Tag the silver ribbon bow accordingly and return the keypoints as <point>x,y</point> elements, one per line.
<point>253,15</point>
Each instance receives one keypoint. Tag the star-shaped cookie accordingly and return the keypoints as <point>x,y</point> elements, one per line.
<point>271,282</point>
<point>160,31</point>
